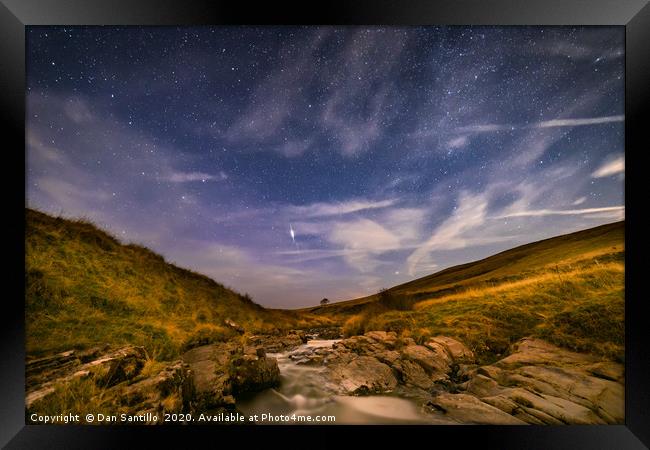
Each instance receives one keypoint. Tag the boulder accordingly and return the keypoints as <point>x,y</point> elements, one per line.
<point>210,372</point>
<point>363,375</point>
<point>559,409</point>
<point>125,365</point>
<point>412,374</point>
<point>249,373</point>
<point>457,351</point>
<point>469,409</point>
<point>431,362</point>
<point>276,343</point>
<point>108,366</point>
<point>171,390</point>
<point>541,383</point>
<point>531,351</point>
<point>324,333</point>
<point>231,324</point>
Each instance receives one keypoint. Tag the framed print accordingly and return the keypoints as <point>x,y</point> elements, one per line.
<point>356,218</point>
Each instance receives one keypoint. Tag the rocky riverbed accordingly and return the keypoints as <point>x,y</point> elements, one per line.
<point>537,383</point>
<point>359,378</point>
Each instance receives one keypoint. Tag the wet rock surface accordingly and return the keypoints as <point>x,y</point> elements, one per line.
<point>277,343</point>
<point>537,383</point>
<point>223,370</point>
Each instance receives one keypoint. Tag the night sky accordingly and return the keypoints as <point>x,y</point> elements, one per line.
<point>296,163</point>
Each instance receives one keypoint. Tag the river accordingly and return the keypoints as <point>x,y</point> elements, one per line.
<point>305,391</point>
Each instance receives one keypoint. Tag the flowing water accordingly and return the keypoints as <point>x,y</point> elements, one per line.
<point>305,391</point>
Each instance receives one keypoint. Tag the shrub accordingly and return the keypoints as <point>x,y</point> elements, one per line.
<point>354,325</point>
<point>391,300</point>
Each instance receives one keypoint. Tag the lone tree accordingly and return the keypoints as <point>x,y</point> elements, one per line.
<point>324,302</point>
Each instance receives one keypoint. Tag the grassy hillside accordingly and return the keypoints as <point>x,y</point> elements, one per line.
<point>568,289</point>
<point>83,287</point>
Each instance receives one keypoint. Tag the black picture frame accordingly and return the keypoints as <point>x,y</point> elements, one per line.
<point>634,15</point>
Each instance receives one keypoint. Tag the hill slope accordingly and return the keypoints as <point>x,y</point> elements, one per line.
<point>83,287</point>
<point>516,263</point>
<point>568,289</point>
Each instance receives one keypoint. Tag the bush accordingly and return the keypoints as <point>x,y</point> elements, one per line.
<point>394,301</point>
<point>354,325</point>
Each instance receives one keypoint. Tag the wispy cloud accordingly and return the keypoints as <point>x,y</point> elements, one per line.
<point>470,213</point>
<point>459,142</point>
<point>609,168</point>
<point>577,122</point>
<point>571,122</point>
<point>485,128</point>
<point>563,212</point>
<point>366,238</point>
<point>338,208</point>
<point>186,177</point>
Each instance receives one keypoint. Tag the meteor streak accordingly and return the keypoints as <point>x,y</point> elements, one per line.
<point>292,233</point>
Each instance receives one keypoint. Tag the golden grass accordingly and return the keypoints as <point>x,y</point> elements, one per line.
<point>83,287</point>
<point>579,306</point>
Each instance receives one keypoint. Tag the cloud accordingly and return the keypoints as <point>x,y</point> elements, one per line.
<point>280,94</point>
<point>292,148</point>
<point>563,212</point>
<point>45,153</point>
<point>339,208</point>
<point>366,238</point>
<point>577,122</point>
<point>484,128</point>
<point>469,214</point>
<point>77,109</point>
<point>612,167</point>
<point>361,240</point>
<point>69,196</point>
<point>185,177</point>
<point>458,142</point>
<point>353,109</point>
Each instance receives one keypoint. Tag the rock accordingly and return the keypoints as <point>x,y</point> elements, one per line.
<point>211,375</point>
<point>223,369</point>
<point>483,386</point>
<point>456,350</point>
<point>559,409</point>
<point>276,344</point>
<point>465,371</point>
<point>608,370</point>
<point>125,365</point>
<point>530,351</point>
<point>301,334</point>
<point>107,366</point>
<point>387,338</point>
<point>412,374</point>
<point>363,375</point>
<point>253,373</point>
<point>170,390</point>
<point>324,333</point>
<point>432,363</point>
<point>388,357</point>
<point>469,409</point>
<point>230,323</point>
<point>415,365</point>
<point>541,383</point>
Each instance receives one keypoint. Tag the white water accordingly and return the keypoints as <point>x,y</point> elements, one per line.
<point>305,390</point>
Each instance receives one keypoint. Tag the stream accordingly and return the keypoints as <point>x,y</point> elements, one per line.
<point>306,391</point>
